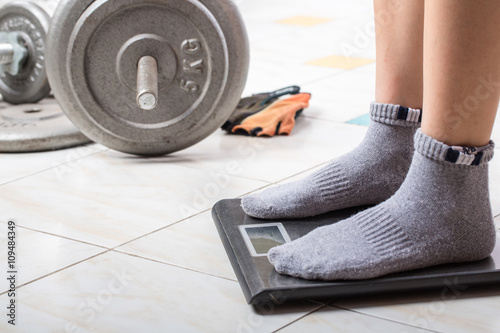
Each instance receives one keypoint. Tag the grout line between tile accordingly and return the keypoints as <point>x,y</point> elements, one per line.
<point>116,246</point>
<point>120,252</point>
<point>257,189</point>
<point>57,271</point>
<point>173,265</point>
<point>299,173</point>
<point>64,237</point>
<point>301,317</point>
<point>159,229</point>
<point>386,319</point>
<point>50,168</point>
<point>122,244</point>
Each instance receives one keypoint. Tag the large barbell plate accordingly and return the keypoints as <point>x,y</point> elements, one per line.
<point>202,53</point>
<point>32,23</point>
<point>37,127</point>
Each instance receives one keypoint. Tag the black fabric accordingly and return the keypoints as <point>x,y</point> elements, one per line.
<point>402,113</point>
<point>452,155</point>
<point>249,106</point>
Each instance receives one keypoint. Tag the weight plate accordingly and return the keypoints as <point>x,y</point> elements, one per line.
<point>36,127</point>
<point>202,53</point>
<point>31,22</point>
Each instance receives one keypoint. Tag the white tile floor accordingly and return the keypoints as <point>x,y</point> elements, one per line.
<point>116,243</point>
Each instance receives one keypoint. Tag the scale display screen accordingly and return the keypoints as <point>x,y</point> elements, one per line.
<point>260,238</point>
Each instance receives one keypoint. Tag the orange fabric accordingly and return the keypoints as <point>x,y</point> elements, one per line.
<point>282,111</point>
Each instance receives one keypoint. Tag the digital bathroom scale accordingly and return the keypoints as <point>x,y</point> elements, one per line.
<point>247,241</point>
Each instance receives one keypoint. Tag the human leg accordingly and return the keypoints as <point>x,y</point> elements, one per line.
<point>373,171</point>
<point>399,29</point>
<point>462,71</point>
<point>442,213</point>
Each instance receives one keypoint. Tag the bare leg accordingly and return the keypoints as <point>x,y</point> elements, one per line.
<point>399,27</point>
<point>441,213</point>
<point>372,172</point>
<point>461,70</point>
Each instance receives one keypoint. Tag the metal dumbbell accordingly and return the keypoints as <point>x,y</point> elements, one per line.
<point>23,80</point>
<point>23,29</point>
<point>147,77</point>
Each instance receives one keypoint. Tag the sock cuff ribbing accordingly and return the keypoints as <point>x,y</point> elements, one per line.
<point>391,114</point>
<point>436,150</point>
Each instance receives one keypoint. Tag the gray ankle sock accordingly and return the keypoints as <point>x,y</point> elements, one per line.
<point>441,214</point>
<point>369,174</point>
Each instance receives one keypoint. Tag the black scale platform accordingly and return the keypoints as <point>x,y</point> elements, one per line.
<point>247,241</point>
